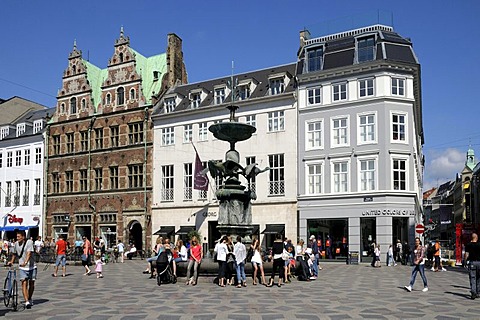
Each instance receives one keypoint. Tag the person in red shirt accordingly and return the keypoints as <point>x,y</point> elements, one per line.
<point>61,251</point>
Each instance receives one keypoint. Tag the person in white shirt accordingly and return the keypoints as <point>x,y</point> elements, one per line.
<point>121,250</point>
<point>182,255</point>
<point>240,253</point>
<point>221,250</point>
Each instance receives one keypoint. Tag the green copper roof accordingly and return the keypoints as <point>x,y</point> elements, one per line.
<point>95,77</point>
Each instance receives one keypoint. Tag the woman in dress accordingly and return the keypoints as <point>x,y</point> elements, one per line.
<point>257,262</point>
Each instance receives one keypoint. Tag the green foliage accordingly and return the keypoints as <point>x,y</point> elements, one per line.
<point>196,234</point>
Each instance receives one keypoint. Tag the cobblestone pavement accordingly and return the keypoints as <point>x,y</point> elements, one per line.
<point>341,292</point>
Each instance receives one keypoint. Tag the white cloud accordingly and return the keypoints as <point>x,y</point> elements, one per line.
<point>442,166</point>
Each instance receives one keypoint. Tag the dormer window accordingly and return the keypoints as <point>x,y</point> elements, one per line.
<point>169,104</point>
<point>120,96</point>
<point>366,49</point>
<point>219,95</point>
<point>243,92</point>
<point>20,129</point>
<point>277,86</point>
<point>195,100</point>
<point>73,106</point>
<point>37,126</point>
<point>4,131</point>
<point>314,59</point>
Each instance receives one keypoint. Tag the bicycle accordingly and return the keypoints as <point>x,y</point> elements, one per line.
<point>10,289</point>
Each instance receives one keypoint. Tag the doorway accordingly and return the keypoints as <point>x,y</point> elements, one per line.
<point>135,234</point>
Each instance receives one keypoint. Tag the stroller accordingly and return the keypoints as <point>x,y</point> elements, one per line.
<point>164,268</point>
<point>303,271</point>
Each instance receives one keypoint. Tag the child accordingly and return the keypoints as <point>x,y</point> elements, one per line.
<point>98,264</point>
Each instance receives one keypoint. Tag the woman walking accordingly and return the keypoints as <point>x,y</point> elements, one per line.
<point>418,266</point>
<point>278,263</point>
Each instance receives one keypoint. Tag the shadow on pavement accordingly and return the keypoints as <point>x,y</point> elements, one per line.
<point>461,287</point>
<point>463,295</point>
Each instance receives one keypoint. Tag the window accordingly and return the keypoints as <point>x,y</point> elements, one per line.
<point>26,192</point>
<point>276,121</point>
<point>219,95</point>
<point>69,181</point>
<point>366,49</point>
<point>20,129</point>
<point>339,91</point>
<point>399,174</point>
<point>83,180</point>
<point>84,104</point>
<point>187,181</point>
<point>55,182</point>
<point>8,196</point>
<point>135,176</point>
<point>203,131</point>
<point>16,197</point>
<point>169,104</point>
<point>120,96</point>
<point>114,136</point>
<point>37,126</point>
<point>98,178</point>
<point>135,132</point>
<point>367,174</point>
<point>340,132</point>
<point>70,142</point>
<point>277,174</point>
<point>277,86</point>
<point>366,87</point>
<point>73,106</point>
<point>314,134</point>
<point>195,100</point>
<point>314,96</point>
<point>18,158</point>
<point>243,92</point>
<point>84,140</point>
<point>38,155</point>
<point>187,133</point>
<point>251,120</point>
<point>99,138</point>
<point>167,183</point>
<point>315,59</point>
<point>26,158</point>
<point>114,177</point>
<point>367,130</point>
<point>132,94</point>
<point>314,178</point>
<point>62,108</point>
<point>108,99</point>
<point>56,144</point>
<point>36,196</point>
<point>1,159</point>
<point>398,127</point>
<point>202,194</point>
<point>4,131</point>
<point>253,180</point>
<point>168,136</point>
<point>340,176</point>
<point>9,159</point>
<point>398,87</point>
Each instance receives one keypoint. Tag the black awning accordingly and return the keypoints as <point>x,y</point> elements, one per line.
<point>185,230</point>
<point>256,229</point>
<point>165,231</point>
<point>274,229</point>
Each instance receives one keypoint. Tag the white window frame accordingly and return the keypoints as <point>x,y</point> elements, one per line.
<point>188,181</point>
<point>396,87</point>
<point>333,174</point>
<point>315,178</point>
<point>405,125</point>
<point>317,98</point>
<point>37,126</point>
<point>168,183</point>
<point>251,120</point>
<point>4,131</point>
<point>219,95</point>
<point>360,140</point>
<point>168,136</point>
<point>311,136</point>
<point>20,129</point>
<point>203,131</point>
<point>169,104</point>
<point>277,85</point>
<point>194,102</point>
<point>361,172</point>
<point>244,91</point>
<point>26,157</point>
<point>333,143</point>
<point>367,87</point>
<point>187,133</point>
<point>340,86</point>
<point>397,157</point>
<point>276,121</point>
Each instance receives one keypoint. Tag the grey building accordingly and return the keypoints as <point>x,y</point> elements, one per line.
<point>360,139</point>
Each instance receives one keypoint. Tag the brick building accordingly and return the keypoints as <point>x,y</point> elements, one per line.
<point>99,144</point>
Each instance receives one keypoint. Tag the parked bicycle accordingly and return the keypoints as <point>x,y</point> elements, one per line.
<point>10,289</point>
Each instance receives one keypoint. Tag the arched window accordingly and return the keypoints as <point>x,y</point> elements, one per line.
<point>120,96</point>
<point>108,99</point>
<point>74,67</point>
<point>73,106</point>
<point>121,56</point>
<point>84,104</point>
<point>62,108</point>
<point>132,94</point>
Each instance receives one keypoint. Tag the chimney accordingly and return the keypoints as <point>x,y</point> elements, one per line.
<point>175,65</point>
<point>304,35</point>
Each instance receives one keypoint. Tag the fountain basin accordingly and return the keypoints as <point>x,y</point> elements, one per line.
<point>232,131</point>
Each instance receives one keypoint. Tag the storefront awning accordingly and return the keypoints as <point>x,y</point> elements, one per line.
<point>165,231</point>
<point>13,228</point>
<point>185,230</point>
<point>256,229</point>
<point>274,229</point>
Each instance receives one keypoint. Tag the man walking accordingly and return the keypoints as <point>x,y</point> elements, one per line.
<point>23,250</point>
<point>418,266</point>
<point>61,251</point>
<point>472,254</point>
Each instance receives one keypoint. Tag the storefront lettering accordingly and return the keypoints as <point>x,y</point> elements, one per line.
<point>13,219</point>
<point>388,212</point>
<point>209,214</point>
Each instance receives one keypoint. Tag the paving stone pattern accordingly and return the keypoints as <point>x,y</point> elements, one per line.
<point>341,292</point>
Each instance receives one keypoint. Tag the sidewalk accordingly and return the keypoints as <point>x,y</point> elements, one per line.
<point>341,292</point>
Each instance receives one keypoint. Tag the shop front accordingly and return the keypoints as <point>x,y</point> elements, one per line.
<point>20,221</point>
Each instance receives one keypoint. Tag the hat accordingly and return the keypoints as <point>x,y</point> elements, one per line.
<point>312,237</point>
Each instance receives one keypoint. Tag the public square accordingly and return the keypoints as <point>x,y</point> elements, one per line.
<point>341,292</point>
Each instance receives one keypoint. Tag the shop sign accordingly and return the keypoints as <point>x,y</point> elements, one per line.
<point>13,219</point>
<point>388,212</point>
<point>209,214</point>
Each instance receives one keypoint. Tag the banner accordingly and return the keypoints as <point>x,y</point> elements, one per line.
<point>445,214</point>
<point>200,180</point>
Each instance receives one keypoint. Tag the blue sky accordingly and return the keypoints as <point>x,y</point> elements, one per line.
<point>37,36</point>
